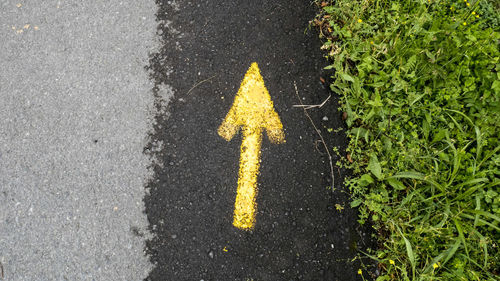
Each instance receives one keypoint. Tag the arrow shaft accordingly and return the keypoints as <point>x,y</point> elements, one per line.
<point>245,204</point>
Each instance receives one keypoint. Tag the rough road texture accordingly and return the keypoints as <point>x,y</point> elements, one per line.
<point>74,101</point>
<point>299,235</point>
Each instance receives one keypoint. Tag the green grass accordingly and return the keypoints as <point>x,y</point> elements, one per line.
<point>420,83</point>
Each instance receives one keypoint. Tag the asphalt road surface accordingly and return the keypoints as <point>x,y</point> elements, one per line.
<point>111,166</point>
<point>300,233</point>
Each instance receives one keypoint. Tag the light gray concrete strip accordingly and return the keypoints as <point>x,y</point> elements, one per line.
<point>74,118</point>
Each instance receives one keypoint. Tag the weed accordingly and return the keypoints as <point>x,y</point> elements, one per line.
<point>420,84</point>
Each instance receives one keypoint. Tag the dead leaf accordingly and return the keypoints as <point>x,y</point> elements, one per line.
<point>344,116</point>
<point>349,158</point>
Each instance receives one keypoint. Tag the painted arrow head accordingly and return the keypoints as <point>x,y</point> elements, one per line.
<point>253,109</point>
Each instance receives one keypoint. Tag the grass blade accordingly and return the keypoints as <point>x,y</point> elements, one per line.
<point>409,252</point>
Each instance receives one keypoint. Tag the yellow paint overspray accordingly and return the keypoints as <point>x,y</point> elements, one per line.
<point>252,110</point>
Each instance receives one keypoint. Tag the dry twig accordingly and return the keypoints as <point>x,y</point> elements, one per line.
<point>198,84</point>
<point>305,107</point>
<point>309,106</point>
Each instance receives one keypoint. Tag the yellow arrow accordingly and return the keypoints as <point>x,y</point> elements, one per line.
<point>252,110</point>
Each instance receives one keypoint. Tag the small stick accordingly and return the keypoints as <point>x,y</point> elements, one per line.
<point>316,146</point>
<point>198,84</point>
<point>317,131</point>
<point>1,270</point>
<point>309,106</point>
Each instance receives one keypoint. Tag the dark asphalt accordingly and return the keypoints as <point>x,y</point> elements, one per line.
<point>299,234</point>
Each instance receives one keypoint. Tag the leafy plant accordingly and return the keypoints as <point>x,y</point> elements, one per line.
<point>420,83</point>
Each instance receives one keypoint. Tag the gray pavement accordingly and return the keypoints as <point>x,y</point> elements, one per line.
<point>75,105</point>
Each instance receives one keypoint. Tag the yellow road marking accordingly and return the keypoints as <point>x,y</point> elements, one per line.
<point>252,110</point>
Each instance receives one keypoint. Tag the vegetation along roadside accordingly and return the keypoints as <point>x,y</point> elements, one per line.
<point>419,82</point>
